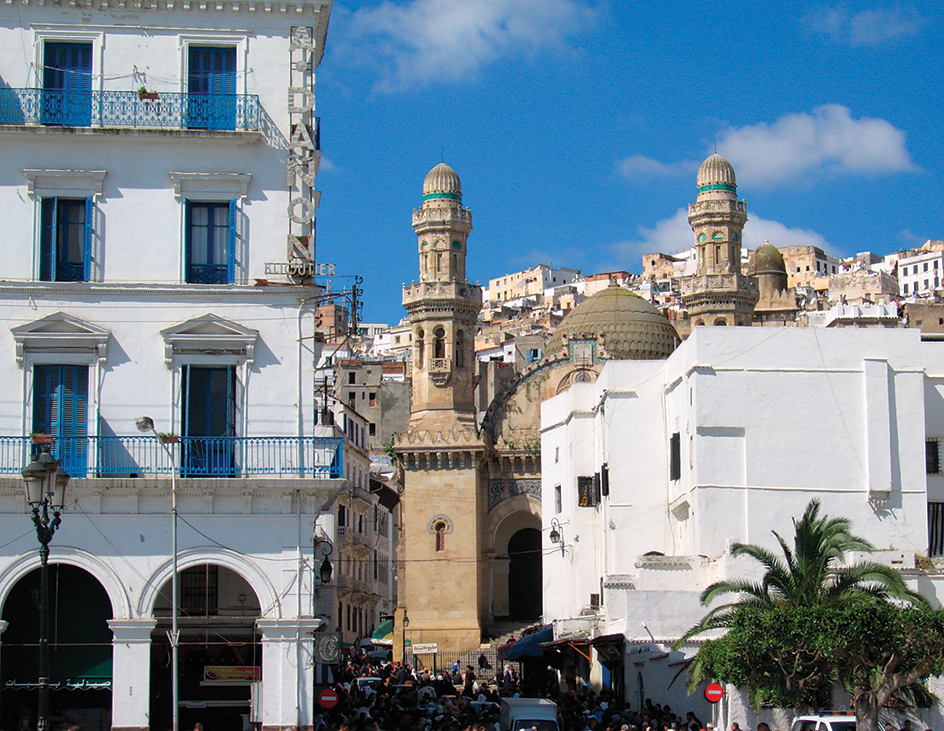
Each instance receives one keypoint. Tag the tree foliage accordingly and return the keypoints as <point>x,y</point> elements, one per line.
<point>811,621</point>
<point>791,656</point>
<point>809,574</point>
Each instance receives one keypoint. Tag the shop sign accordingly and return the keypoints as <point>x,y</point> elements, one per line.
<point>220,673</point>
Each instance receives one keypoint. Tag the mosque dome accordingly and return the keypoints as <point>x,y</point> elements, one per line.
<point>767,260</point>
<point>717,173</point>
<point>442,182</point>
<point>632,328</point>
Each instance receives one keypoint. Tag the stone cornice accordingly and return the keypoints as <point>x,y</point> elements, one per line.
<point>175,291</point>
<point>296,7</point>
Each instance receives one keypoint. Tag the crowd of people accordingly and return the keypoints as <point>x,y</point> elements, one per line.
<point>405,699</point>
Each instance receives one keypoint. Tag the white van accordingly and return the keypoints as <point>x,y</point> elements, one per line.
<point>839,721</point>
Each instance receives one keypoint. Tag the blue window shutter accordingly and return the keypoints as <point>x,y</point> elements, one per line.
<point>187,240</point>
<point>47,240</point>
<point>45,379</point>
<point>73,402</point>
<point>231,263</point>
<point>87,257</point>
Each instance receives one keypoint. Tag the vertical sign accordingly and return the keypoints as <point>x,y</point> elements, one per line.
<point>302,148</point>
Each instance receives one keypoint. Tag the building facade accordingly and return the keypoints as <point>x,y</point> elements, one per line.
<point>158,193</point>
<point>724,441</point>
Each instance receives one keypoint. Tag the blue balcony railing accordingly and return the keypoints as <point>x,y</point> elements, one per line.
<point>143,456</point>
<point>170,110</point>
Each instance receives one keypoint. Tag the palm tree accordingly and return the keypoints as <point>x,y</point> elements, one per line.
<point>808,575</point>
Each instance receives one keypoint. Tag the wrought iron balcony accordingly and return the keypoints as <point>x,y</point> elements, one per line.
<point>143,456</point>
<point>167,110</point>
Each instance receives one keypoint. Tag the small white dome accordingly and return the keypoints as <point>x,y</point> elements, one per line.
<point>442,179</point>
<point>716,171</point>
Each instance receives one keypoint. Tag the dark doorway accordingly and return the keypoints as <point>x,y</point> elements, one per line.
<point>525,584</point>
<point>80,651</point>
<point>220,654</point>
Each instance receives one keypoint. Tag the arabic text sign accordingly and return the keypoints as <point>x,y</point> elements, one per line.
<point>217,673</point>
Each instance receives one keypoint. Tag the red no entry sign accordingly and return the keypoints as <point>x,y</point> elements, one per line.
<point>328,698</point>
<point>714,692</point>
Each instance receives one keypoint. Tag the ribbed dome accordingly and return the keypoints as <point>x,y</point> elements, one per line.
<point>442,182</point>
<point>632,328</point>
<point>767,260</point>
<point>716,171</point>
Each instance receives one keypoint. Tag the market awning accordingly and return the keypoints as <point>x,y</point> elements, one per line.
<point>530,645</point>
<point>580,645</point>
<point>610,648</point>
<point>384,631</point>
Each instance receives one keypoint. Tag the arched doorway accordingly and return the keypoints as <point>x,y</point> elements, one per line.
<point>219,652</point>
<point>524,574</point>
<point>80,651</point>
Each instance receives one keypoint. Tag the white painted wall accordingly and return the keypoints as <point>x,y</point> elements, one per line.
<point>766,421</point>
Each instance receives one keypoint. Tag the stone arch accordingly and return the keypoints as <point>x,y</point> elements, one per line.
<point>249,570</point>
<point>504,522</point>
<point>103,572</point>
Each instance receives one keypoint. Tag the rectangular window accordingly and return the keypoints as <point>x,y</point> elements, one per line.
<point>199,591</point>
<point>211,88</point>
<point>586,493</point>
<point>675,457</point>
<point>67,84</point>
<point>65,241</point>
<point>936,529</point>
<point>372,429</point>
<point>342,515</point>
<point>605,480</point>
<point>372,400</point>
<point>211,242</point>
<point>209,420</point>
<point>932,456</point>
<point>352,377</point>
<point>60,408</point>
<point>558,501</point>
<point>905,288</point>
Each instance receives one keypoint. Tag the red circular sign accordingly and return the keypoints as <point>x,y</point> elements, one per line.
<point>328,698</point>
<point>714,692</point>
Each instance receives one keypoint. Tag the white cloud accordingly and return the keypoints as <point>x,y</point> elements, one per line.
<point>826,141</point>
<point>674,235</point>
<point>873,27</point>
<point>636,166</point>
<point>422,41</point>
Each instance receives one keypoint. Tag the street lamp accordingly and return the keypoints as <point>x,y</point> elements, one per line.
<point>325,548</point>
<point>45,487</point>
<point>555,534</point>
<point>146,424</point>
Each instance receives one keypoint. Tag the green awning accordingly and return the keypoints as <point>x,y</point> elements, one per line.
<point>384,631</point>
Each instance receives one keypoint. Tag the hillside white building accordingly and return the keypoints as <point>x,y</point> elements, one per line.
<point>158,197</point>
<point>653,470</point>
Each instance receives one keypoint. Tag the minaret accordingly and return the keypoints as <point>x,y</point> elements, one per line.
<point>718,294</point>
<point>442,309</point>
<point>444,502</point>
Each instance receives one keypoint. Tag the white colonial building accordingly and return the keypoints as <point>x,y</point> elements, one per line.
<point>158,200</point>
<point>652,471</point>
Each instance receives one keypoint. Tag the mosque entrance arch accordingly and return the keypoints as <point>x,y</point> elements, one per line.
<point>525,582</point>
<point>80,651</point>
<point>219,651</point>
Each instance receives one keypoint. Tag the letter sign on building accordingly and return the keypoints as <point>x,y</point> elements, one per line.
<point>302,155</point>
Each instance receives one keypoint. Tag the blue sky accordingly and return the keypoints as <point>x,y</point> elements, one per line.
<point>577,127</point>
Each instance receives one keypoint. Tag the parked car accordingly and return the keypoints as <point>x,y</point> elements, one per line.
<point>825,721</point>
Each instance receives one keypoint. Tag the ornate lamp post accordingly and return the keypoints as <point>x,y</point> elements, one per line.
<point>45,486</point>
<point>324,547</point>
<point>146,424</point>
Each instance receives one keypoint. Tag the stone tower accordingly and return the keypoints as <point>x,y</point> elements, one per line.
<point>441,578</point>
<point>718,294</point>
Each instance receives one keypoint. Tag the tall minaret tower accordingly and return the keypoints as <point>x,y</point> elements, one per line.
<point>718,294</point>
<point>444,502</point>
<point>442,308</point>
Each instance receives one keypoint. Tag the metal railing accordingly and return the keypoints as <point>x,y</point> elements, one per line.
<point>169,110</point>
<point>143,456</point>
